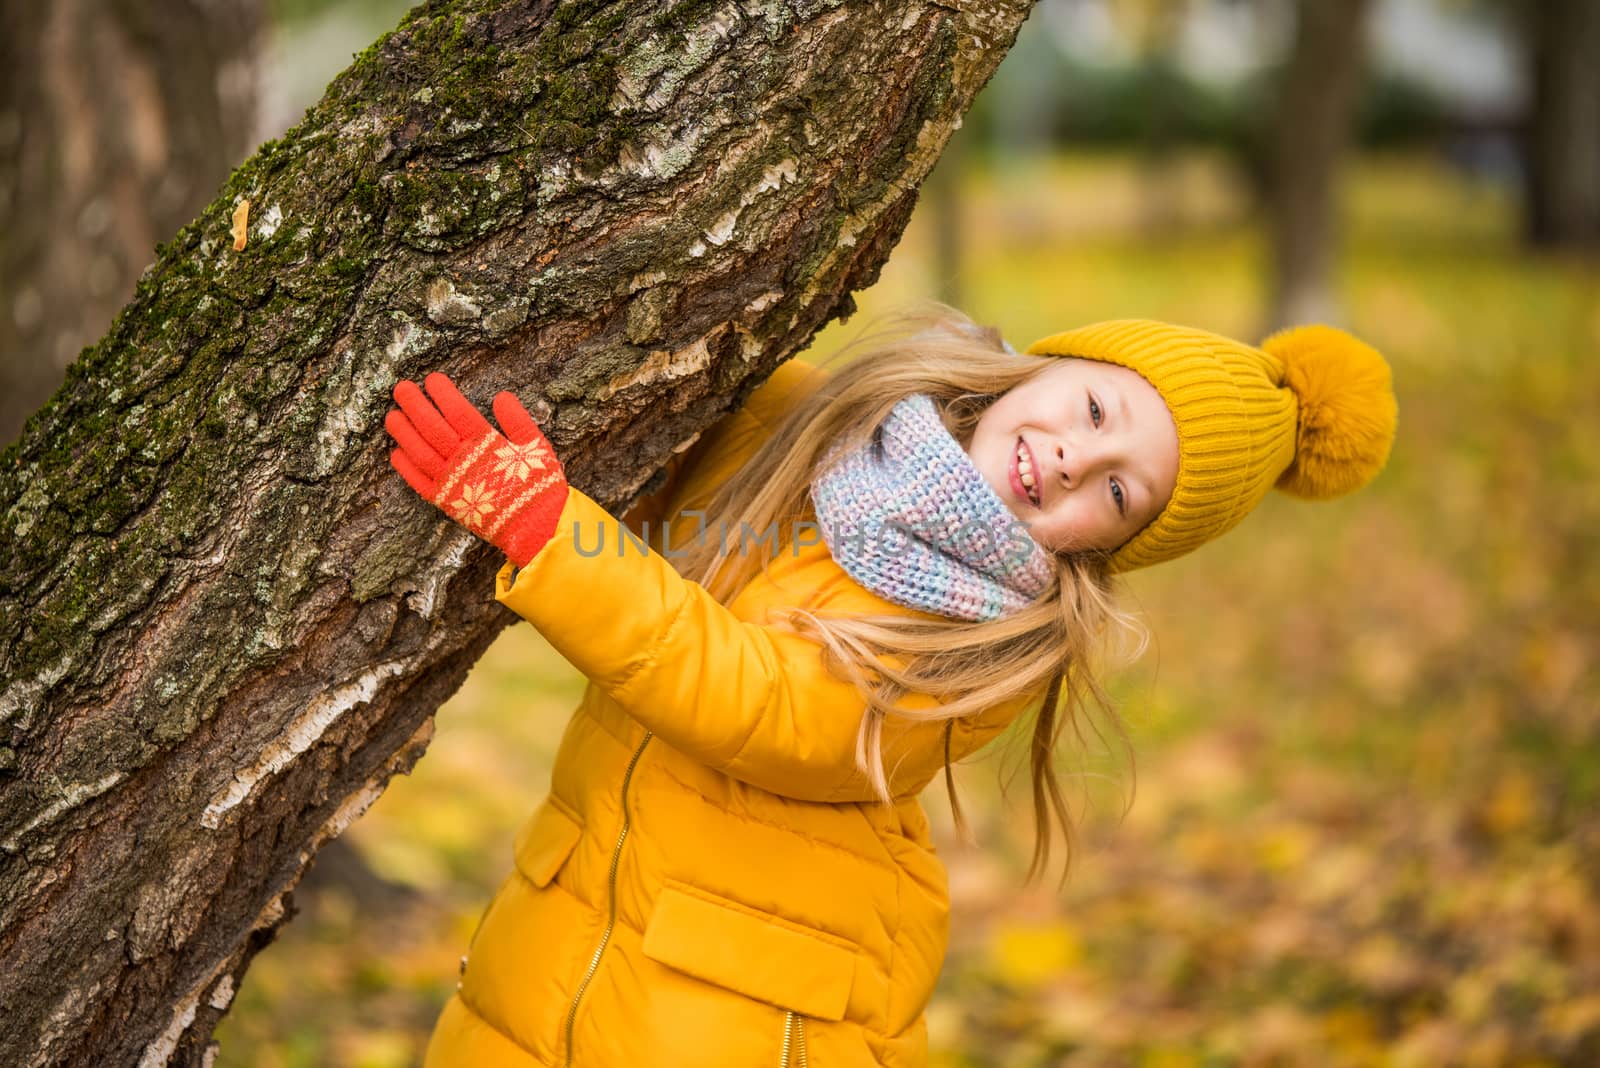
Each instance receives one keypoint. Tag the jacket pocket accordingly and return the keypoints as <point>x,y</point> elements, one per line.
<point>545,842</point>
<point>762,957</point>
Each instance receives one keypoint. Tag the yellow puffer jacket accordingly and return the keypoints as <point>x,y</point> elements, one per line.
<point>710,880</point>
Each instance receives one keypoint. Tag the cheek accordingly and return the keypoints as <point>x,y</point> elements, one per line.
<point>1080,525</point>
<point>990,455</point>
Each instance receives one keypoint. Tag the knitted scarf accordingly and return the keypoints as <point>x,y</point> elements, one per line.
<point>911,518</point>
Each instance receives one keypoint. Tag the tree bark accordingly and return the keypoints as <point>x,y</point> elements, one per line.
<point>224,622</point>
<point>1562,193</point>
<point>1313,120</point>
<point>117,121</point>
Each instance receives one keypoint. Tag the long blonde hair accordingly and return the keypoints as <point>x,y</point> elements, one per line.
<point>1044,649</point>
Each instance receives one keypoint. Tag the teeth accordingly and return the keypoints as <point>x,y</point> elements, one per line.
<point>1025,472</point>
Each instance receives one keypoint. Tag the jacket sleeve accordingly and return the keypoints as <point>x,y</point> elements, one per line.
<point>753,701</point>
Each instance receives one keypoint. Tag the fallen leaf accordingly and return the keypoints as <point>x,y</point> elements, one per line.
<point>1032,955</point>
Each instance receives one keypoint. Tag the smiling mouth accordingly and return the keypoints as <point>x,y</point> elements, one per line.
<point>1025,475</point>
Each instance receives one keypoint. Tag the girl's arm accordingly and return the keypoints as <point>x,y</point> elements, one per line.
<point>753,701</point>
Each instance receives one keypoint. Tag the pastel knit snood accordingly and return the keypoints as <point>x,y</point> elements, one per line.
<point>910,517</point>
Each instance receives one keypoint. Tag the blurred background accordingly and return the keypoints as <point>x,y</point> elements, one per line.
<point>1360,820</point>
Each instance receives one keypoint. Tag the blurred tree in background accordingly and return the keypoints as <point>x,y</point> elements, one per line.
<point>117,122</point>
<point>1310,129</point>
<point>1279,88</point>
<point>1563,138</point>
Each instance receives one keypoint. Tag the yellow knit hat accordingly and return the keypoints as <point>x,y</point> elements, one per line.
<point>1312,412</point>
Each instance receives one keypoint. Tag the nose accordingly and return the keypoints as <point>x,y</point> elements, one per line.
<point>1061,464</point>
<point>1072,472</point>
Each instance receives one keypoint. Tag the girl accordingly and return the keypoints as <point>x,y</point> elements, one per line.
<point>870,575</point>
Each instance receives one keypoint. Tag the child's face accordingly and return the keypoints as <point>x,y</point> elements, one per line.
<point>1102,447</point>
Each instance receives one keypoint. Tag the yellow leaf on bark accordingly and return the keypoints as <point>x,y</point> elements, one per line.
<point>241,221</point>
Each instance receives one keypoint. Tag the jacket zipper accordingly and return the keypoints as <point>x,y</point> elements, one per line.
<point>794,1027</point>
<point>611,897</point>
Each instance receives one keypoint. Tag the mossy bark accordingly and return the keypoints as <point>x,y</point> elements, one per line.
<point>224,621</point>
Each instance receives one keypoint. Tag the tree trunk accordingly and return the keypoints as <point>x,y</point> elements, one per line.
<point>117,121</point>
<point>1160,26</point>
<point>1319,92</point>
<point>224,622</point>
<point>1562,193</point>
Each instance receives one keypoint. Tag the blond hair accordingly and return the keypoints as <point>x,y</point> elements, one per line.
<point>1043,650</point>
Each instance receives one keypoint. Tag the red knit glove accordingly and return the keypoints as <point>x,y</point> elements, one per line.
<point>506,488</point>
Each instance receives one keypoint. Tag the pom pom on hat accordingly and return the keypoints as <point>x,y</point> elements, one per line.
<point>1348,411</point>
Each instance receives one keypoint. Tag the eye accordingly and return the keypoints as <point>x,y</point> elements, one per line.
<point>1116,493</point>
<point>1094,411</point>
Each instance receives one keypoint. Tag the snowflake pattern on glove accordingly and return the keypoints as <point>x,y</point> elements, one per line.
<point>494,486</point>
<point>519,461</point>
<point>472,507</point>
